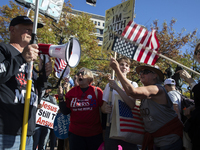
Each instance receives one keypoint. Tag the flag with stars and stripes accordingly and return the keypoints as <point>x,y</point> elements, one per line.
<point>59,65</point>
<point>126,124</point>
<point>141,41</point>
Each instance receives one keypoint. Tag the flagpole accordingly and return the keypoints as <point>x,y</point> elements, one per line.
<point>155,52</point>
<point>110,94</point>
<point>29,84</point>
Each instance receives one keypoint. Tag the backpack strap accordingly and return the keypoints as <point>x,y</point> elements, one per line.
<point>96,92</point>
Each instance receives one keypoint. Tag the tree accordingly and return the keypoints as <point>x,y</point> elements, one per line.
<point>82,28</point>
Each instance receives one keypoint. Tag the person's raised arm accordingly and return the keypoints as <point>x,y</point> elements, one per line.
<point>127,99</point>
<point>139,92</point>
<point>62,105</point>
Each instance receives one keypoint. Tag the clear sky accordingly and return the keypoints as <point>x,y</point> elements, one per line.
<point>186,12</point>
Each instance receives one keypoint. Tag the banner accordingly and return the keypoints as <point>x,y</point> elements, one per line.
<point>116,20</point>
<point>61,126</point>
<point>50,8</point>
<point>45,116</point>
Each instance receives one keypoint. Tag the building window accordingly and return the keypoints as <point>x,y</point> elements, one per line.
<point>101,31</point>
<point>98,23</point>
<point>98,30</point>
<point>100,38</point>
<point>95,23</point>
<point>103,24</point>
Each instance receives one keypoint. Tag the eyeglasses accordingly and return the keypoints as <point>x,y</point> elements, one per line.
<point>82,73</point>
<point>145,71</point>
<point>197,51</point>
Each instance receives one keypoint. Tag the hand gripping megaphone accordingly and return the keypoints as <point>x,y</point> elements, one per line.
<point>70,52</point>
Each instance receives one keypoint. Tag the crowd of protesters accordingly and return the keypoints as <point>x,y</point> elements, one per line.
<point>160,107</point>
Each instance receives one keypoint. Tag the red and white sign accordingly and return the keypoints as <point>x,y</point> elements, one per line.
<point>46,115</point>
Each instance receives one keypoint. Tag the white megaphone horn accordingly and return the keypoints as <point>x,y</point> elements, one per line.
<point>70,52</point>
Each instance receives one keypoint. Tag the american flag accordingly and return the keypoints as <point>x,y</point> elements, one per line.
<point>130,119</point>
<point>59,65</point>
<point>144,40</point>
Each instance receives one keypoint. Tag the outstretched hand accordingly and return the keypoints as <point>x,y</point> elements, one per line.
<point>184,74</point>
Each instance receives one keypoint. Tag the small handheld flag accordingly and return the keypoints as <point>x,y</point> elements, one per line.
<point>141,41</point>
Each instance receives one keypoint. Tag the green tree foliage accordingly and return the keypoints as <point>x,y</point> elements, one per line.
<point>82,28</point>
<point>79,26</point>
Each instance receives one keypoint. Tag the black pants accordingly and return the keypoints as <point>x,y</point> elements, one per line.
<point>84,143</point>
<point>112,144</point>
<point>194,129</point>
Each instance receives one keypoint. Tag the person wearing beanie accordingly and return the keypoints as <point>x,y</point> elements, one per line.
<point>14,59</point>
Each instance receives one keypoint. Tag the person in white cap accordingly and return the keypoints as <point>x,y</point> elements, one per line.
<point>170,86</point>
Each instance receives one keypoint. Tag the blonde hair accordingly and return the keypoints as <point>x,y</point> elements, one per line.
<point>88,73</point>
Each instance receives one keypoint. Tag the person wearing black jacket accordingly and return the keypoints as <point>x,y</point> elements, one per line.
<point>194,129</point>
<point>13,79</point>
<point>42,133</point>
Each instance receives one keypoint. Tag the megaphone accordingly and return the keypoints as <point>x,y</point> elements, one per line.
<point>70,52</point>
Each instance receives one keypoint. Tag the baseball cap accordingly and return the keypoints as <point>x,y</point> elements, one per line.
<point>23,20</point>
<point>170,81</point>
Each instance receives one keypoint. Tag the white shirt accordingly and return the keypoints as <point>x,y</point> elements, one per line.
<point>175,98</point>
<point>107,91</point>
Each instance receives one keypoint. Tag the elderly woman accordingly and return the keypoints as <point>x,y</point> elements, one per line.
<point>194,130</point>
<point>163,128</point>
<point>83,103</point>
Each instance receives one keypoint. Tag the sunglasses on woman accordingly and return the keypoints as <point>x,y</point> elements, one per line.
<point>145,71</point>
<point>82,73</point>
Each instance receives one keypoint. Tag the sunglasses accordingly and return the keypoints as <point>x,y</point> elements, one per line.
<point>82,73</point>
<point>145,71</point>
<point>197,51</point>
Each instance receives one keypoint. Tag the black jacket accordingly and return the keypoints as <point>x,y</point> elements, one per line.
<point>13,80</point>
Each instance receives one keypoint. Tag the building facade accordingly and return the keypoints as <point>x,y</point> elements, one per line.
<point>99,22</point>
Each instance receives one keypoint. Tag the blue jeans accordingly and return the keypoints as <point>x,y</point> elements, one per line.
<point>39,137</point>
<point>12,142</point>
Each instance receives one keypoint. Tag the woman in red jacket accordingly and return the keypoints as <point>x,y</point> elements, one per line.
<point>85,131</point>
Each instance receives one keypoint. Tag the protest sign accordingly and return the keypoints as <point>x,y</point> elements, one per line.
<point>46,115</point>
<point>116,19</point>
<point>50,8</point>
<point>61,126</point>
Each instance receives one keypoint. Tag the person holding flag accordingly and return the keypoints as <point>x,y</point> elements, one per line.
<point>161,123</point>
<point>13,73</point>
<point>124,65</point>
